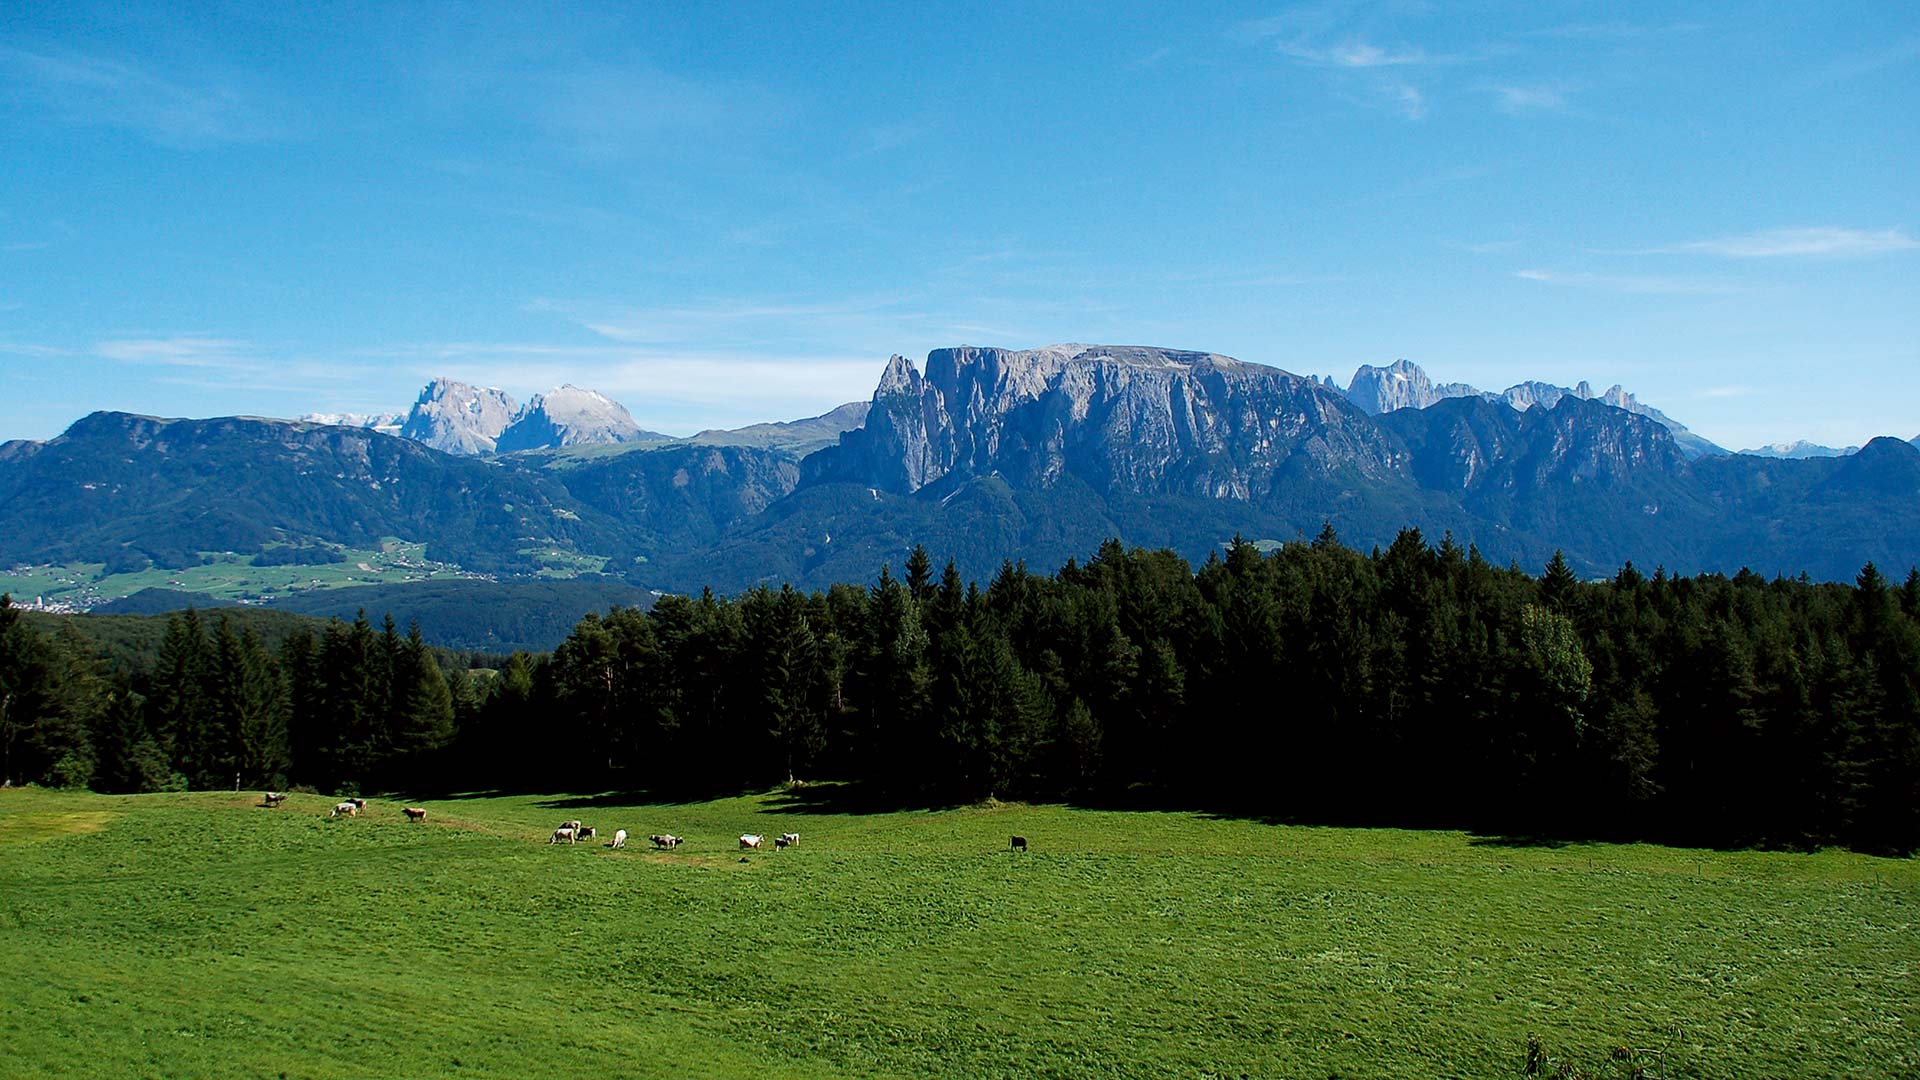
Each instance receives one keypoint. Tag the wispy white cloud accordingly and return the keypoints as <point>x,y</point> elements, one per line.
<point>227,364</point>
<point>1615,31</point>
<point>615,112</point>
<point>1519,99</point>
<point>1378,69</point>
<point>1867,63</point>
<point>1491,247</point>
<point>14,348</point>
<point>1631,283</point>
<point>1779,243</point>
<point>180,110</point>
<point>1412,103</point>
<point>194,352</point>
<point>882,138</point>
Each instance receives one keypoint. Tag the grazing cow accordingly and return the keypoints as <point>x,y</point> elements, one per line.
<point>619,838</point>
<point>564,835</point>
<point>792,839</point>
<point>273,798</point>
<point>414,813</point>
<point>781,843</point>
<point>586,832</point>
<point>665,840</point>
<point>750,840</point>
<point>1018,843</point>
<point>349,808</point>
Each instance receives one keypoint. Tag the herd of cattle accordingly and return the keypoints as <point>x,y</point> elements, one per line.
<point>572,832</point>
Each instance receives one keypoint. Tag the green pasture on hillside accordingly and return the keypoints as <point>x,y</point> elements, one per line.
<point>203,936</point>
<point>232,576</point>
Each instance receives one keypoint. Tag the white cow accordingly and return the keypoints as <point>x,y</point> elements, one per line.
<point>750,840</point>
<point>349,808</point>
<point>664,840</point>
<point>619,838</point>
<point>564,835</point>
<point>792,838</point>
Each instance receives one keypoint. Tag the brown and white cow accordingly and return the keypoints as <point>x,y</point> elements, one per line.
<point>414,813</point>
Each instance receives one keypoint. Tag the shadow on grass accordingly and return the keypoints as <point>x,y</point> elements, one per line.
<point>844,798</point>
<point>597,800</point>
<point>1549,842</point>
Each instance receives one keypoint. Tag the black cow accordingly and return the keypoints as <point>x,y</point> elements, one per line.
<point>1018,843</point>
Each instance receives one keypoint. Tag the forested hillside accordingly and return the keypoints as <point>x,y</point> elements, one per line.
<point>1414,685</point>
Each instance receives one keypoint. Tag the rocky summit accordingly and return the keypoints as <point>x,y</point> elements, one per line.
<point>570,416</point>
<point>457,418</point>
<point>1399,385</point>
<point>1403,385</point>
<point>1132,418</point>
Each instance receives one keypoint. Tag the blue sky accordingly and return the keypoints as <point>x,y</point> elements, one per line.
<point>736,213</point>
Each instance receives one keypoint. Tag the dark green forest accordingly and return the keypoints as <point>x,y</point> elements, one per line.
<point>1415,685</point>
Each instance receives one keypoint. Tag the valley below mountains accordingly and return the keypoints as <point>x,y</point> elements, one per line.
<point>982,454</point>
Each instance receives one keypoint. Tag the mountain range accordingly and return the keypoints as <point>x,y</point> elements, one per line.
<point>1800,448</point>
<point>984,455</point>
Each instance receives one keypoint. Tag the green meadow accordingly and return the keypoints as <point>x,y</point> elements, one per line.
<point>230,576</point>
<point>201,935</point>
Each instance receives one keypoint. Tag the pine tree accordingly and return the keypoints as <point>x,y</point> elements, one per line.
<point>176,698</point>
<point>425,721</point>
<point>1557,584</point>
<point>128,758</point>
<point>920,574</point>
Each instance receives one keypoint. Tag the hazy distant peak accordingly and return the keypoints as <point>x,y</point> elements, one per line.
<point>570,415</point>
<point>1800,449</point>
<point>385,423</point>
<point>1399,385</point>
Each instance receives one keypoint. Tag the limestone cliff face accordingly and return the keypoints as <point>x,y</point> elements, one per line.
<point>1400,385</point>
<point>1475,446</point>
<point>1131,418</point>
<point>457,418</point>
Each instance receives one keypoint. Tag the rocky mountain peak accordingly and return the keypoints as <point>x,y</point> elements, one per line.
<point>900,377</point>
<point>570,416</point>
<point>1403,385</point>
<point>1120,417</point>
<point>458,418</point>
<point>1400,385</point>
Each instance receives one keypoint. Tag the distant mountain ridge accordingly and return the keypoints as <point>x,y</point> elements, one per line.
<point>1798,449</point>
<point>987,455</point>
<point>458,418</point>
<point>1404,385</point>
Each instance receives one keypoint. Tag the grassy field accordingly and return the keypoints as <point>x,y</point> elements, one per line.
<point>229,576</point>
<point>202,936</point>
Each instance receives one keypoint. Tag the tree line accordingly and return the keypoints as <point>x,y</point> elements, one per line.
<point>1416,685</point>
